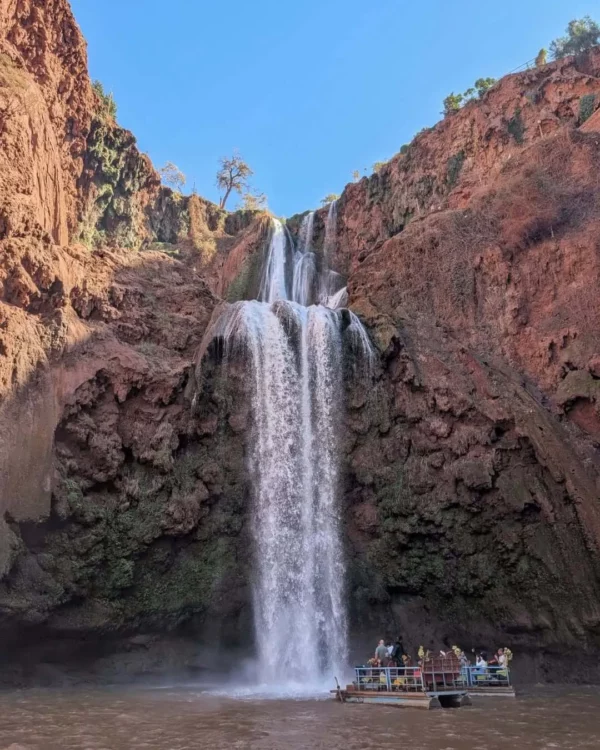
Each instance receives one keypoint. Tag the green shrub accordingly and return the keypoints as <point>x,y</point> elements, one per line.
<point>454,168</point>
<point>516,126</point>
<point>542,58</point>
<point>483,85</point>
<point>582,34</point>
<point>108,106</point>
<point>586,107</point>
<point>452,103</point>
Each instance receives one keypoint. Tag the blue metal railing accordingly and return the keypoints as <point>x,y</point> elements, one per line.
<point>437,675</point>
<point>485,676</point>
<point>391,679</point>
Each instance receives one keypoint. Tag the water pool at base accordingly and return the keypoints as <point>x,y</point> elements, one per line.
<point>182,718</point>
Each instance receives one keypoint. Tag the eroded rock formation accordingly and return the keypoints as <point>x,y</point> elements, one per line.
<point>471,463</point>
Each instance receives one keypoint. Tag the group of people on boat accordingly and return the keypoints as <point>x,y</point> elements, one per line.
<point>499,659</point>
<point>391,655</point>
<point>394,655</point>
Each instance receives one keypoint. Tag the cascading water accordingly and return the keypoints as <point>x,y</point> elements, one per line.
<point>305,236</point>
<point>330,232</point>
<point>296,354</point>
<point>332,292</point>
<point>305,265</point>
<point>274,282</point>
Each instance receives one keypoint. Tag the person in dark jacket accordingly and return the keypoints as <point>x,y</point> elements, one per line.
<point>397,651</point>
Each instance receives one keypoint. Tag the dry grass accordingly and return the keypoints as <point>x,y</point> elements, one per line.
<point>203,240</point>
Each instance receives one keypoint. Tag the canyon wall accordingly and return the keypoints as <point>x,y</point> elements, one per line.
<point>474,473</point>
<point>471,464</point>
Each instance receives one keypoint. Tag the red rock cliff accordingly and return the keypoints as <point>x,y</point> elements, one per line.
<point>474,256</point>
<point>471,484</point>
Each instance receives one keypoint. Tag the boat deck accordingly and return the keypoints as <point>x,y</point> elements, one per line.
<point>439,682</point>
<point>487,691</point>
<point>444,699</point>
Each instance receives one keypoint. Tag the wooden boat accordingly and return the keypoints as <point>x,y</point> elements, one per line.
<point>435,684</point>
<point>488,682</point>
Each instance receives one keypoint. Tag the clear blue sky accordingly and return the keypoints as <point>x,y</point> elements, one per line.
<point>307,90</point>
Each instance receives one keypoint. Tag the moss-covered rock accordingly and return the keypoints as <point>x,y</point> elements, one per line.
<point>115,176</point>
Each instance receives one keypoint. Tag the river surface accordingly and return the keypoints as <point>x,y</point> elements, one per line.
<point>186,718</point>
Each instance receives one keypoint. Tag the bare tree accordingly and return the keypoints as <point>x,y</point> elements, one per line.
<point>253,201</point>
<point>172,176</point>
<point>233,175</point>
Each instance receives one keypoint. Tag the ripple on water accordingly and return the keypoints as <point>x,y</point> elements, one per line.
<point>187,719</point>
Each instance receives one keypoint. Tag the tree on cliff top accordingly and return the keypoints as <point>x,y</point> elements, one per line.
<point>542,58</point>
<point>253,201</point>
<point>582,34</point>
<point>452,103</point>
<point>329,199</point>
<point>233,175</point>
<point>483,85</point>
<point>108,105</point>
<point>172,176</point>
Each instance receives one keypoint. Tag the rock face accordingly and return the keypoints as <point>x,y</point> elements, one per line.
<point>474,473</point>
<point>471,461</point>
<point>108,483</point>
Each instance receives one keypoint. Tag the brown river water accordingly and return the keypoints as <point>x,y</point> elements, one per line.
<point>178,718</point>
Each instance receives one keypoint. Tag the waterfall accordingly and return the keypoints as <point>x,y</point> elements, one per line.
<point>338,299</point>
<point>295,355</point>
<point>305,273</point>
<point>274,286</point>
<point>305,266</point>
<point>330,232</point>
<point>305,235</point>
<point>330,282</point>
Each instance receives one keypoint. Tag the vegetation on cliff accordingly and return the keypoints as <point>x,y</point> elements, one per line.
<point>582,34</point>
<point>453,102</point>
<point>107,105</point>
<point>172,176</point>
<point>233,175</point>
